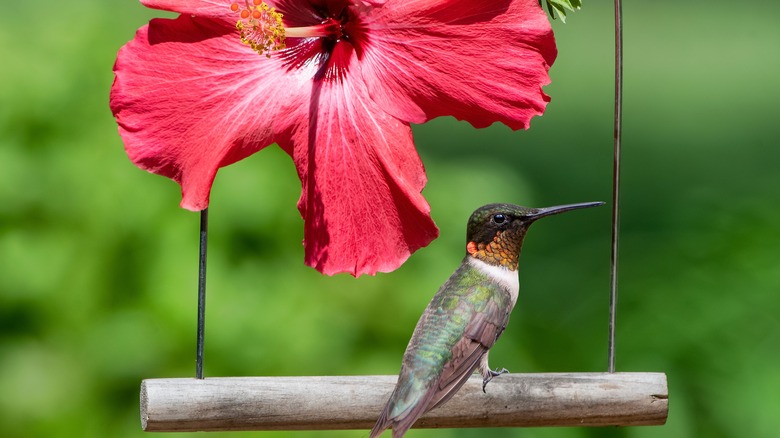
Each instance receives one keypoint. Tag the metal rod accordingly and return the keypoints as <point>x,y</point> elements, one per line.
<point>204,230</point>
<point>616,179</point>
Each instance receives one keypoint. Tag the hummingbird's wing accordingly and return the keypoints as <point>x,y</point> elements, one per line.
<point>481,333</point>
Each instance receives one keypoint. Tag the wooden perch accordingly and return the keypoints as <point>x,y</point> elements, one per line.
<point>354,402</point>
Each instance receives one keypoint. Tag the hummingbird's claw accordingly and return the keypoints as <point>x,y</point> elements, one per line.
<point>490,376</point>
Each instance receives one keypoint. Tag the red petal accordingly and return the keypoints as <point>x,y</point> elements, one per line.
<point>361,181</point>
<point>478,61</point>
<point>190,98</point>
<point>219,9</point>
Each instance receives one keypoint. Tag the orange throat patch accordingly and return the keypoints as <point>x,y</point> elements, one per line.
<point>503,250</point>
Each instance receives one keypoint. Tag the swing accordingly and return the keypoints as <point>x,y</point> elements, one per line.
<point>353,402</point>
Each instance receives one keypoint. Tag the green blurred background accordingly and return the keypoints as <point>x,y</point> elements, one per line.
<point>98,262</point>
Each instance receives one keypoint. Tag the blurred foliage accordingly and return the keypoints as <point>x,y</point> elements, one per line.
<point>559,8</point>
<point>98,263</point>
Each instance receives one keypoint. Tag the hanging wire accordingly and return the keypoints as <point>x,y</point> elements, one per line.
<point>204,230</point>
<point>616,179</point>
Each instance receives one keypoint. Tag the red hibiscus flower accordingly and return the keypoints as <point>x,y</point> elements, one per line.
<point>219,83</point>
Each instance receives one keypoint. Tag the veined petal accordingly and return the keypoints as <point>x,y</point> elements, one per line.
<point>216,9</point>
<point>361,180</point>
<point>478,61</point>
<point>189,98</point>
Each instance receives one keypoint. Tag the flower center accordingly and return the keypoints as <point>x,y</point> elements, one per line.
<point>260,27</point>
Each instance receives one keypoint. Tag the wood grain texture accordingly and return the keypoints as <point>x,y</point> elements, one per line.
<point>354,402</point>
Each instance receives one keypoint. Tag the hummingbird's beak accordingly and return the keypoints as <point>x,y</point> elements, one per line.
<point>549,211</point>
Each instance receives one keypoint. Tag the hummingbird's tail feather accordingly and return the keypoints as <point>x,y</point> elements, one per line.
<point>402,421</point>
<point>381,424</point>
<point>456,375</point>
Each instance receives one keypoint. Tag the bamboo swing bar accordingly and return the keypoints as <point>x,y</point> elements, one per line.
<point>354,402</point>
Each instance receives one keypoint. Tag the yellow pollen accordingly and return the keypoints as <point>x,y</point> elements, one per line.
<point>259,26</point>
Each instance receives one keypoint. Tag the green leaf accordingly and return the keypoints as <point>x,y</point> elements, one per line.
<point>559,7</point>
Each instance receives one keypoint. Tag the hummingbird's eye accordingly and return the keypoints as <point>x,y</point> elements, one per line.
<point>499,218</point>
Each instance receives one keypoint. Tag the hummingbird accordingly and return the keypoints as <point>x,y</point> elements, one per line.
<point>465,317</point>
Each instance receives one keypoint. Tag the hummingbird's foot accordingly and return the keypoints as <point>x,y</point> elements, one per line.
<point>490,376</point>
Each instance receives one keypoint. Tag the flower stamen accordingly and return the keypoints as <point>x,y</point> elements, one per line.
<point>260,26</point>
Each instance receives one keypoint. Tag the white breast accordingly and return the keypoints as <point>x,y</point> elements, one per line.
<point>503,276</point>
